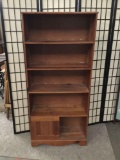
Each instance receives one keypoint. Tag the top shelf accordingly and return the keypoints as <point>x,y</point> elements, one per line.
<point>59,42</point>
<point>60,13</point>
<point>57,28</point>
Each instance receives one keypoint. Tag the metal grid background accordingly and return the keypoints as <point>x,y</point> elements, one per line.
<point>13,32</point>
<point>58,5</point>
<point>14,46</point>
<point>102,31</point>
<point>114,72</point>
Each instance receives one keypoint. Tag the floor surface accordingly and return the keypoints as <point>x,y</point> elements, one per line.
<point>114,135</point>
<point>18,146</point>
<point>2,108</point>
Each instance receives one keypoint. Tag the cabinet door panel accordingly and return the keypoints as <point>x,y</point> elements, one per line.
<point>44,129</point>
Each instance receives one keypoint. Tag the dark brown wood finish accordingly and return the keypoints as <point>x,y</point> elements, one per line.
<point>58,81</point>
<point>59,51</point>
<point>58,55</point>
<point>59,27</point>
<point>59,104</point>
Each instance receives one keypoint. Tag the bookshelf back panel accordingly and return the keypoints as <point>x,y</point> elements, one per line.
<point>73,127</point>
<point>59,27</point>
<point>58,55</point>
<point>58,100</point>
<point>80,78</point>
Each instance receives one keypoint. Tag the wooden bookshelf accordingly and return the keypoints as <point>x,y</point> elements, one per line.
<point>58,51</point>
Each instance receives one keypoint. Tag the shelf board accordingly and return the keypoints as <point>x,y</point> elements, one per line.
<point>58,68</point>
<point>61,65</point>
<point>57,88</point>
<point>59,13</point>
<point>72,132</point>
<point>60,110</point>
<point>59,42</point>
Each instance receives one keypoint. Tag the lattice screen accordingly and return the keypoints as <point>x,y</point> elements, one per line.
<point>13,32</point>
<point>104,9</point>
<point>114,72</point>
<point>59,5</point>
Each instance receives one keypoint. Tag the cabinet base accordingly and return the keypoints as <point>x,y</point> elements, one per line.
<point>35,143</point>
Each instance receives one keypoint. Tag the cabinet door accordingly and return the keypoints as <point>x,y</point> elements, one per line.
<point>44,127</point>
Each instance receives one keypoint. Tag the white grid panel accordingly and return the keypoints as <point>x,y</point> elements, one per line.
<point>114,72</point>
<point>13,31</point>
<point>58,5</point>
<point>103,8</point>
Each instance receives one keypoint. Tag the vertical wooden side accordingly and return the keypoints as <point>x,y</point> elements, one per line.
<point>85,125</point>
<point>93,20</point>
<point>24,30</point>
<point>85,119</point>
<point>93,23</point>
<point>92,49</point>
<point>25,27</point>
<point>29,111</point>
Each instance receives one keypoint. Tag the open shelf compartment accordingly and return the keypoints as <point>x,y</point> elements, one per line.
<point>59,105</point>
<point>73,128</point>
<point>58,81</point>
<point>59,27</point>
<point>62,55</point>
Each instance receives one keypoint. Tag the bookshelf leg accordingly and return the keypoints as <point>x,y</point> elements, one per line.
<point>35,144</point>
<point>83,142</point>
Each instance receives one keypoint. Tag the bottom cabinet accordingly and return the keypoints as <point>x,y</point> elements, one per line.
<point>44,127</point>
<point>56,130</point>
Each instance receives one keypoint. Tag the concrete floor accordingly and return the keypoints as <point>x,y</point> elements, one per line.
<point>114,135</point>
<point>2,108</point>
<point>98,147</point>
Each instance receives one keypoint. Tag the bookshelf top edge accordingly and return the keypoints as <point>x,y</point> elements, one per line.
<point>59,13</point>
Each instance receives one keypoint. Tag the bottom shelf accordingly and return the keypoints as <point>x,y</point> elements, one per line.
<point>58,128</point>
<point>72,128</point>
